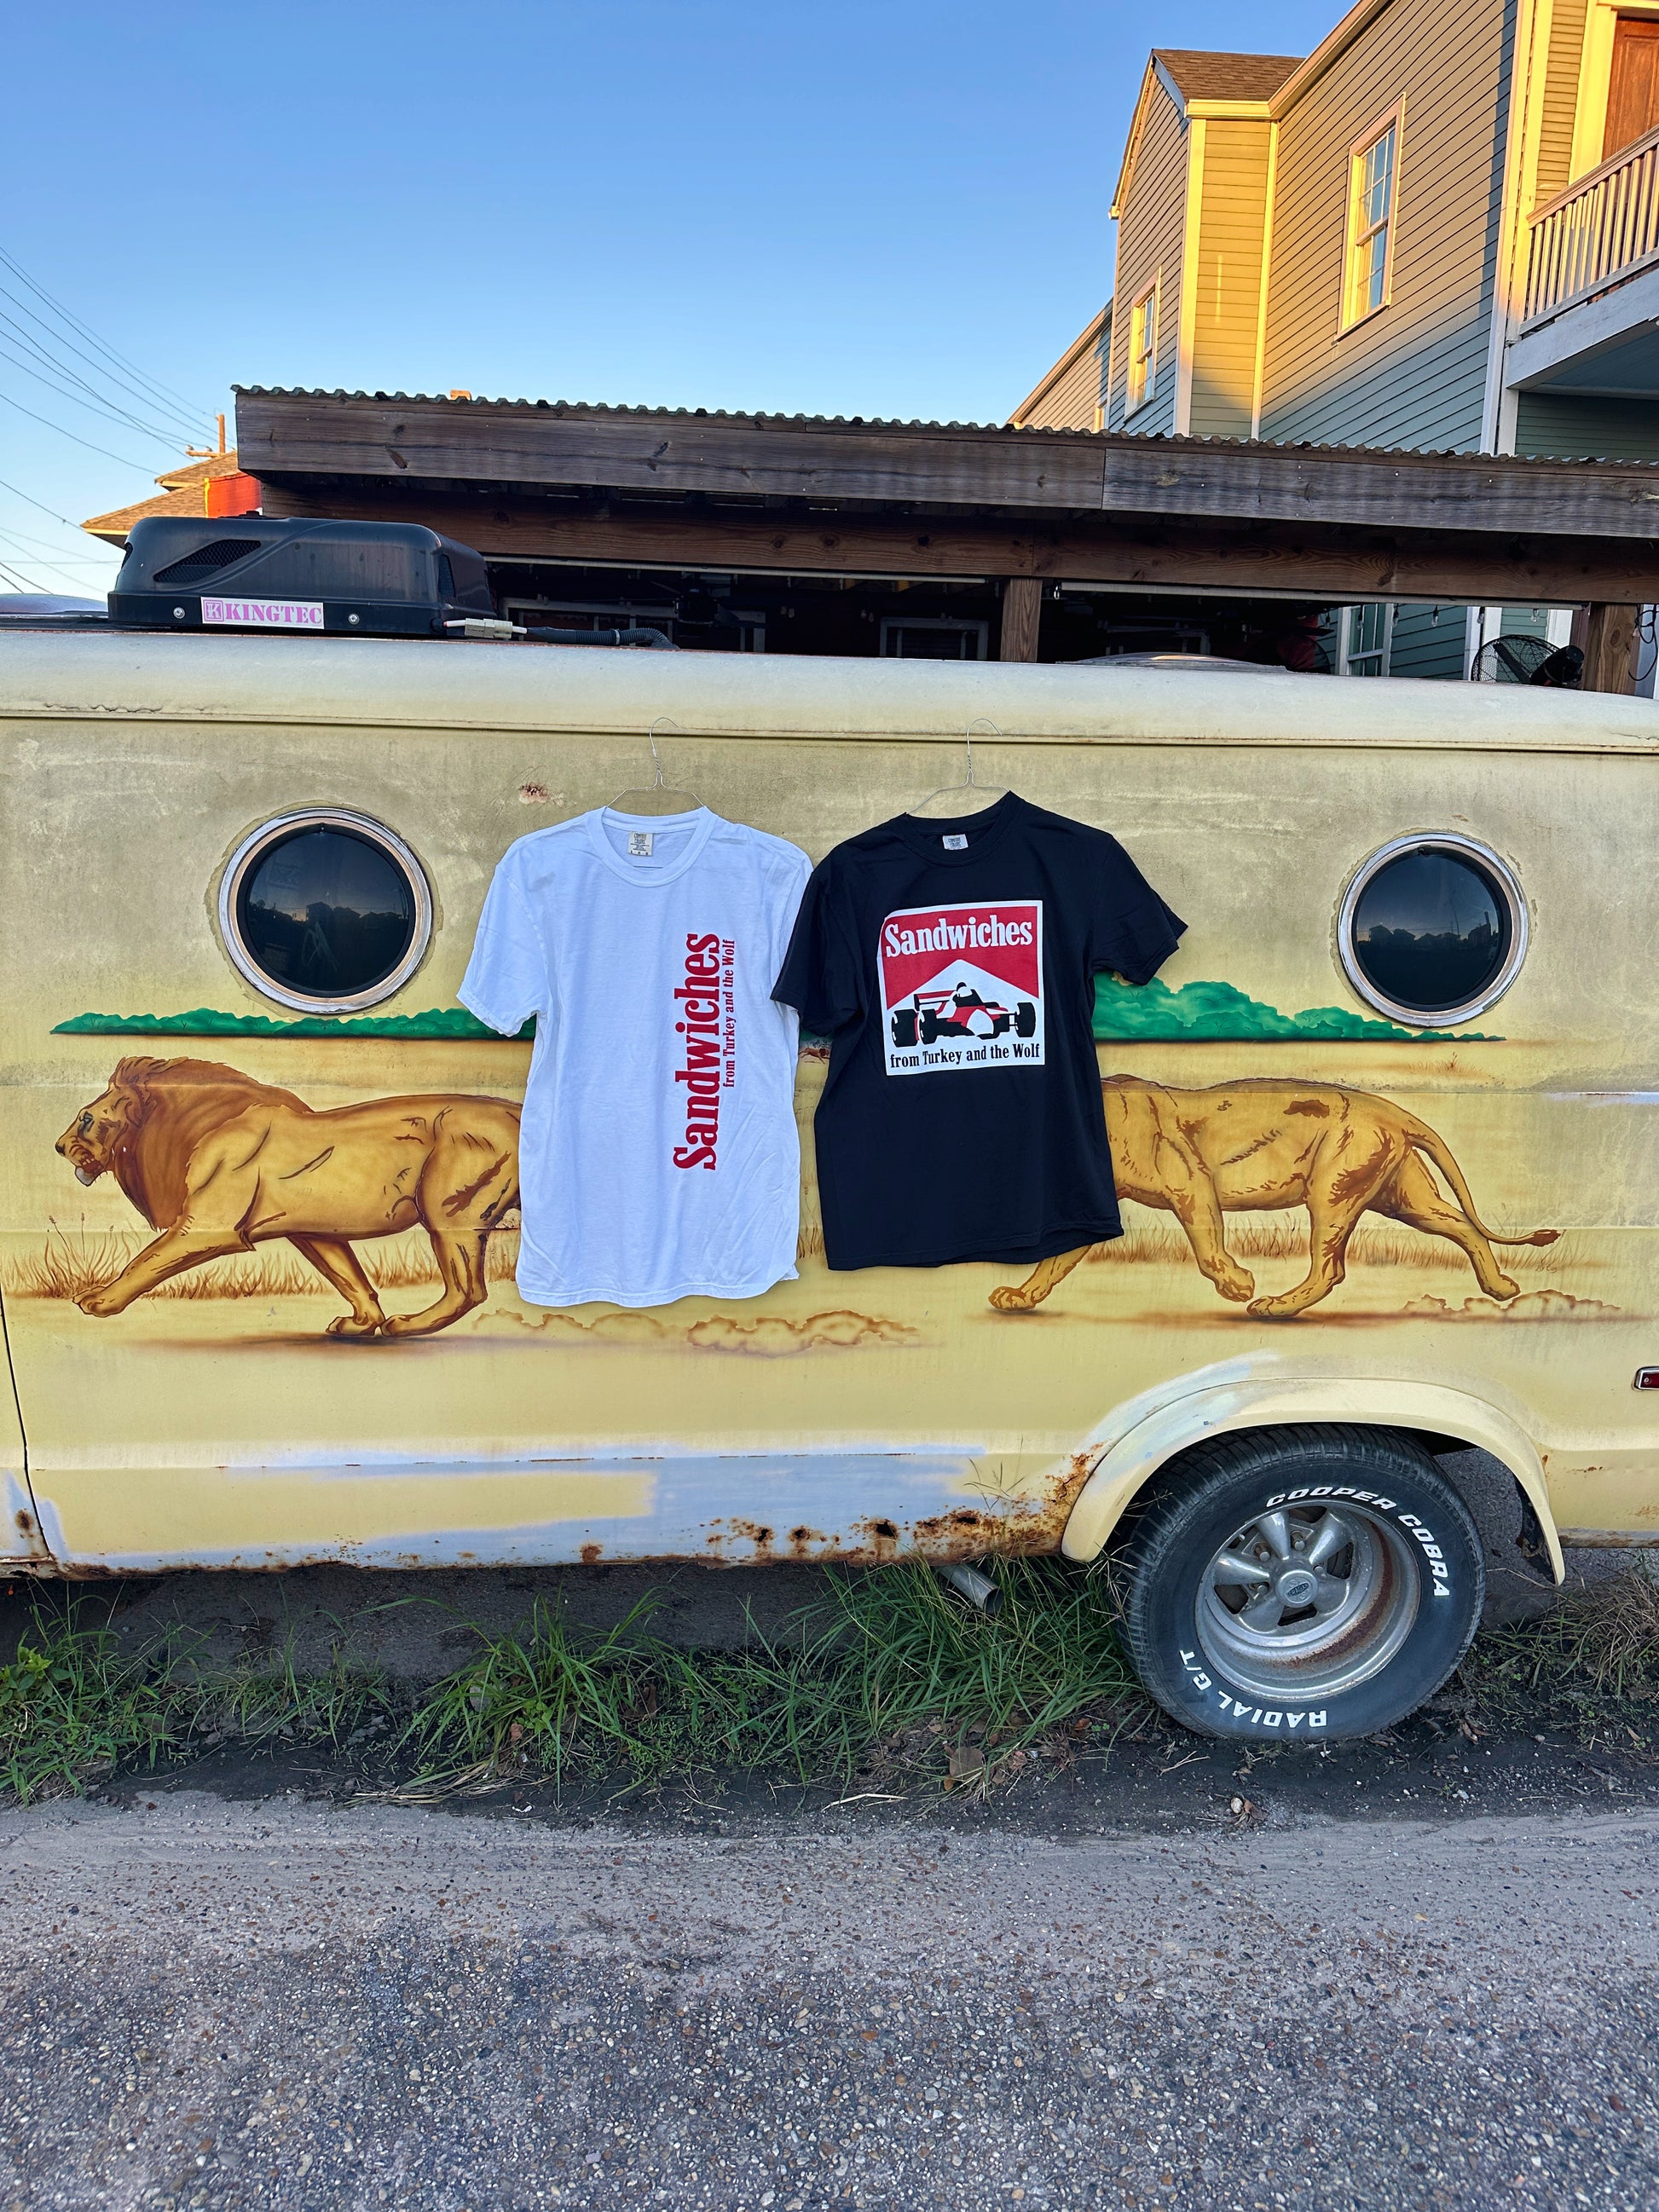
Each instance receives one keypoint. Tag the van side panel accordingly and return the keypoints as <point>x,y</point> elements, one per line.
<point>217,1421</point>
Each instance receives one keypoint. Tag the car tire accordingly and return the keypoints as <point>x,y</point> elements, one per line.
<point>904,1028</point>
<point>1361,1565</point>
<point>1025,1020</point>
<point>929,1029</point>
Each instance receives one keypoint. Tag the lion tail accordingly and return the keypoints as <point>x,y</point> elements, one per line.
<point>1426,1139</point>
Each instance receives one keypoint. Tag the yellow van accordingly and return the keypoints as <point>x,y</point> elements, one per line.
<point>1385,1128</point>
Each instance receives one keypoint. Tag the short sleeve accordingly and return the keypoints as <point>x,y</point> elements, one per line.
<point>821,977</point>
<point>1131,930</point>
<point>791,876</point>
<point>506,978</point>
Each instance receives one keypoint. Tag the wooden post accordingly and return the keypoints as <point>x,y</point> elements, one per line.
<point>1022,612</point>
<point>1609,642</point>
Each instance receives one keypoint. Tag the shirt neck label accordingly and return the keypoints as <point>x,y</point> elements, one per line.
<point>639,844</point>
<point>956,844</point>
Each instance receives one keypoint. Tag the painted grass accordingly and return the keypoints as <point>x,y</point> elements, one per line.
<point>72,1261</point>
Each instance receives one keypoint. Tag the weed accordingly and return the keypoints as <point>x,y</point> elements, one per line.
<point>547,1699</point>
<point>73,1706</point>
<point>1596,1650</point>
<point>890,1669</point>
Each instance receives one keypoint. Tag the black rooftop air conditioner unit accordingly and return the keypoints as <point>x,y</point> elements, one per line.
<point>348,579</point>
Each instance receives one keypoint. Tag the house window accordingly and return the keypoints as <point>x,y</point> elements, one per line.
<point>1143,350</point>
<point>1366,634</point>
<point>1372,168</point>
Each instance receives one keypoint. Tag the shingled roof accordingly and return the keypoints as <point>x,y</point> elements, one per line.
<point>181,493</point>
<point>1226,76</point>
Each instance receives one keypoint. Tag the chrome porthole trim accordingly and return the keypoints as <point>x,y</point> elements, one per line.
<point>252,849</point>
<point>1504,881</point>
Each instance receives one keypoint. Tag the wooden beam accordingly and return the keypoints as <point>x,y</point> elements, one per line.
<point>295,435</point>
<point>1263,560</point>
<point>1610,648</point>
<point>1022,614</point>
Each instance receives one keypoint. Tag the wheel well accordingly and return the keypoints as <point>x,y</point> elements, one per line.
<point>1511,1535</point>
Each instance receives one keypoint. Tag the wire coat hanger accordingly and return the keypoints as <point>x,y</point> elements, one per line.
<point>992,792</point>
<point>656,797</point>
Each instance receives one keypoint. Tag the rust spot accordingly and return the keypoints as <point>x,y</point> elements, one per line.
<point>885,1530</point>
<point>26,1522</point>
<point>590,1553</point>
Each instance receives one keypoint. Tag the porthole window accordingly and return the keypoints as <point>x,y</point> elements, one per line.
<point>325,911</point>
<point>1432,930</point>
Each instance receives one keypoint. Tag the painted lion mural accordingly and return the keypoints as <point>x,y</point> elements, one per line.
<point>219,1163</point>
<point>1265,1145</point>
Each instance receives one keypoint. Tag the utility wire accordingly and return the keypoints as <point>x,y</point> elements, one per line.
<point>142,466</point>
<point>95,405</point>
<point>161,391</point>
<point>20,582</point>
<point>29,498</point>
<point>132,389</point>
<point>16,335</point>
<point>49,544</point>
<point>39,560</point>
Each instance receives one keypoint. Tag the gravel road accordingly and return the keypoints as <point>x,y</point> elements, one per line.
<point>210,2004</point>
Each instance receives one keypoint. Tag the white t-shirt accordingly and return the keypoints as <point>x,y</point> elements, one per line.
<point>659,1154</point>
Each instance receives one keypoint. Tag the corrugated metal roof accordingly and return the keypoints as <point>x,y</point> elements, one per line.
<point>603,409</point>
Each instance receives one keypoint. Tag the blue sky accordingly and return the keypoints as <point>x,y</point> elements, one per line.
<point>866,207</point>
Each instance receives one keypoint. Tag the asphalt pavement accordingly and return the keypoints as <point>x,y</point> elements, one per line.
<point>255,2002</point>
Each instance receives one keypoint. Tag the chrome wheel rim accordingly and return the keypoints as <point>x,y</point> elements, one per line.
<point>1308,1600</point>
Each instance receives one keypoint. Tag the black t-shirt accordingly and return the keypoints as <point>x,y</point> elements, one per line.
<point>951,965</point>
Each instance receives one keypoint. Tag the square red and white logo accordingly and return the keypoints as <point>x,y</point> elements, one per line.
<point>962,986</point>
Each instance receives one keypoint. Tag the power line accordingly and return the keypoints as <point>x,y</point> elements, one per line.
<point>18,336</point>
<point>39,560</point>
<point>32,502</point>
<point>161,391</point>
<point>141,466</point>
<point>48,544</point>
<point>95,405</point>
<point>20,582</point>
<point>132,388</point>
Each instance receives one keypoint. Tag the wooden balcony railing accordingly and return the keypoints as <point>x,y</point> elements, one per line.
<point>1601,229</point>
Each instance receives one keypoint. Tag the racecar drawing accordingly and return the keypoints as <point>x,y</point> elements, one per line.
<point>960,1012</point>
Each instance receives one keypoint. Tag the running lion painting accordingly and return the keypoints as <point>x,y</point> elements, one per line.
<point>219,1163</point>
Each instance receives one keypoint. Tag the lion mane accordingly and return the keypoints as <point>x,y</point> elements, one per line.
<point>166,1107</point>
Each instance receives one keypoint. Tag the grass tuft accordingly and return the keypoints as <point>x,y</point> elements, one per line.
<point>1596,1650</point>
<point>73,1706</point>
<point>891,1682</point>
<point>892,1673</point>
